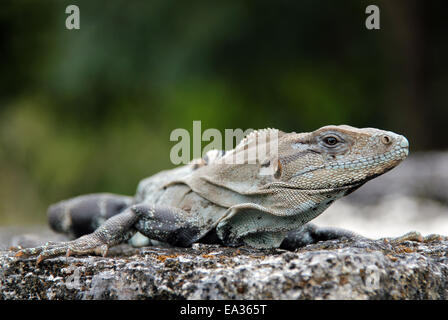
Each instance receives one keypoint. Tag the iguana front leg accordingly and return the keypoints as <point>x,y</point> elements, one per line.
<point>310,233</point>
<point>115,230</point>
<point>165,224</point>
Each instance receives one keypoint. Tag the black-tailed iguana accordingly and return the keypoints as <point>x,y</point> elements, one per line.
<point>239,197</point>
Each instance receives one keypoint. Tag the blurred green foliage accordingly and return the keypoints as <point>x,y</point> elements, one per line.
<point>91,110</point>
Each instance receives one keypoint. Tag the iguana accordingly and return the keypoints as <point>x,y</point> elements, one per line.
<point>264,202</point>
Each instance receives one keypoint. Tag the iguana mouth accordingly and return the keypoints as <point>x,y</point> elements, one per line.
<point>353,186</point>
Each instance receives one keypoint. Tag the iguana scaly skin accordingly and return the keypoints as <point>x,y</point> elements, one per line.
<point>264,199</point>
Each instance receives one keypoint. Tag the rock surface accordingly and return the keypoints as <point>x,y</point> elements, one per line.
<point>339,269</point>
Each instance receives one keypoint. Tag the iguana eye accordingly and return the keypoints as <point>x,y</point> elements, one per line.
<point>330,140</point>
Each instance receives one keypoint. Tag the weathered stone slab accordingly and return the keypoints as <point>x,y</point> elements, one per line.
<point>365,269</point>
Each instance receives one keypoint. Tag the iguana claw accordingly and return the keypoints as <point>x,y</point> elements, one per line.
<point>82,246</point>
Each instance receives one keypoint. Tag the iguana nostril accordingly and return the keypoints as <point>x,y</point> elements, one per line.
<point>386,139</point>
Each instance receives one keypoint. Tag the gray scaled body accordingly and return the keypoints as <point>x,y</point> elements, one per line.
<point>262,194</point>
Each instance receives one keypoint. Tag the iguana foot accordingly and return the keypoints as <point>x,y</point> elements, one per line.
<point>417,236</point>
<point>115,230</point>
<point>434,237</point>
<point>88,244</point>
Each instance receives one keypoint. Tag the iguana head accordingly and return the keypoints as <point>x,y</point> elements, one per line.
<point>337,157</point>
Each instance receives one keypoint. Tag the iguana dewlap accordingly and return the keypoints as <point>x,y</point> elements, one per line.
<point>239,197</point>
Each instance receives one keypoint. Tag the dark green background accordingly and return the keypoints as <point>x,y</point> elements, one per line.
<point>92,110</point>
